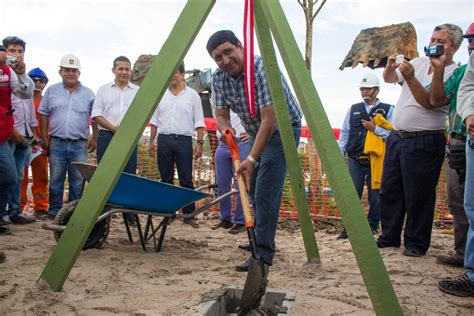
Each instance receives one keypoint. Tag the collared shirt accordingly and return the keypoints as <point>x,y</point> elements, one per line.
<point>451,91</point>
<point>68,112</point>
<point>465,101</point>
<point>22,85</point>
<point>409,115</point>
<point>179,114</point>
<point>344,134</point>
<point>228,92</point>
<point>24,115</point>
<point>112,102</point>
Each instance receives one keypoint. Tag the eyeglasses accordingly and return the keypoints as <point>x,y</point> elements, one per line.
<point>40,79</point>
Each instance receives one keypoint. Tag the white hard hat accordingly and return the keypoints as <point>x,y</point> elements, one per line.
<point>70,61</point>
<point>369,80</point>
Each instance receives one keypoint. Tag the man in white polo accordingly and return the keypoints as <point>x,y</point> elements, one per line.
<point>178,117</point>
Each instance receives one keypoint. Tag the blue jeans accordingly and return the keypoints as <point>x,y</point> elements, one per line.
<point>469,208</point>
<point>8,176</point>
<point>20,153</point>
<point>360,175</point>
<point>103,141</point>
<point>62,153</point>
<point>225,175</point>
<point>266,192</point>
<point>176,149</point>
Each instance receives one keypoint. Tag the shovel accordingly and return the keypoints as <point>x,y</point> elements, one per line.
<point>256,281</point>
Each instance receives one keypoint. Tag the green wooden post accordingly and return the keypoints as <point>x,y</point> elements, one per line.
<point>120,149</point>
<point>368,258</point>
<point>286,133</point>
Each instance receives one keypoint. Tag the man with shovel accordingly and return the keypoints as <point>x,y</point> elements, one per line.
<point>264,169</point>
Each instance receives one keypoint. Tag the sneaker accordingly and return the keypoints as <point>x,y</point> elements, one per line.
<point>5,231</point>
<point>238,228</point>
<point>244,267</point>
<point>192,222</point>
<point>413,253</point>
<point>343,235</point>
<point>245,247</point>
<point>222,224</point>
<point>453,260</point>
<point>461,286</point>
<point>22,219</point>
<point>5,220</point>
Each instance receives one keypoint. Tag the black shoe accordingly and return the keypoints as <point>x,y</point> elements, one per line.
<point>22,219</point>
<point>192,222</point>
<point>41,215</point>
<point>343,235</point>
<point>222,224</point>
<point>245,247</point>
<point>244,267</point>
<point>413,253</point>
<point>2,256</point>
<point>381,244</point>
<point>454,261</point>
<point>461,286</point>
<point>238,228</point>
<point>5,231</point>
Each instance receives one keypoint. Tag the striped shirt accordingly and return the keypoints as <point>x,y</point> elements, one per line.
<point>228,92</point>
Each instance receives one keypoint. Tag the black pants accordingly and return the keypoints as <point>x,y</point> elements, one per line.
<point>410,176</point>
<point>103,141</point>
<point>176,149</point>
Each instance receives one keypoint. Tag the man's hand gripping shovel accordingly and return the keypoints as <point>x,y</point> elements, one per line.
<point>256,281</point>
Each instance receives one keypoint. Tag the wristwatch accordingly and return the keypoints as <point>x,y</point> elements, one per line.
<point>200,142</point>
<point>254,162</point>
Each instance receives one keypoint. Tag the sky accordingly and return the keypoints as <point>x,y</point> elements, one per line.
<point>98,31</point>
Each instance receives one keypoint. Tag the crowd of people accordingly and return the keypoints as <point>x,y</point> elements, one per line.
<point>397,151</point>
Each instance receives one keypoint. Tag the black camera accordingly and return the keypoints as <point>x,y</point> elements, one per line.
<point>434,50</point>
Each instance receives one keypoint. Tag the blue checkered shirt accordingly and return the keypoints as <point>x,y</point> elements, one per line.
<point>228,92</point>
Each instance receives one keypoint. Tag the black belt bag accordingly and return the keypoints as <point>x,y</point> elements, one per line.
<point>456,155</point>
<point>363,160</point>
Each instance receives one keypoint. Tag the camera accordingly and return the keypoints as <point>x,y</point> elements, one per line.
<point>399,59</point>
<point>434,50</point>
<point>11,60</point>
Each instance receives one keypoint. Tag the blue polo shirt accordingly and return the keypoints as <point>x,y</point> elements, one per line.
<point>68,112</point>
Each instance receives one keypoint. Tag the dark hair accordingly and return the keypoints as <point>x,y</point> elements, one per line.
<point>13,40</point>
<point>221,37</point>
<point>2,48</point>
<point>181,68</point>
<point>121,58</point>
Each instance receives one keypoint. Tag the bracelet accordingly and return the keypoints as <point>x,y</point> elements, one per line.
<point>253,161</point>
<point>200,142</point>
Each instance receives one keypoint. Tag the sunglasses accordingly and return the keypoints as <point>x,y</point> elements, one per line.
<point>40,79</point>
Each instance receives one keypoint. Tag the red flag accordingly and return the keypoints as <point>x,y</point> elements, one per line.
<point>249,56</point>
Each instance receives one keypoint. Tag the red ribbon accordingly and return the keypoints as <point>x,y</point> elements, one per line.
<point>249,56</point>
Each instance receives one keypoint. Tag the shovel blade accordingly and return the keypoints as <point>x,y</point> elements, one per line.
<point>255,286</point>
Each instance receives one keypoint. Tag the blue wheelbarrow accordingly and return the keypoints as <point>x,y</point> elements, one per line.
<point>137,195</point>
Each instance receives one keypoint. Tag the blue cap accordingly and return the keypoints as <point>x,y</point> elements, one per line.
<point>37,72</point>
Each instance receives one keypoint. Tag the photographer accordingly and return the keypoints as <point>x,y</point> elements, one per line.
<point>441,94</point>
<point>415,148</point>
<point>24,133</point>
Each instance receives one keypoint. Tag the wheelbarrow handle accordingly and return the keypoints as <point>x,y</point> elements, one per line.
<point>234,152</point>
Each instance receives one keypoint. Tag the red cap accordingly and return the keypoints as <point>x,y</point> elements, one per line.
<point>469,31</point>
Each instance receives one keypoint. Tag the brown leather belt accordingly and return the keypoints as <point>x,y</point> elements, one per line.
<point>405,134</point>
<point>458,137</point>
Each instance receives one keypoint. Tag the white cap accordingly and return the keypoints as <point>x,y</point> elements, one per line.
<point>70,61</point>
<point>369,80</point>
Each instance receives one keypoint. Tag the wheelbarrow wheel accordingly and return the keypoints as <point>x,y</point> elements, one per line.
<point>99,232</point>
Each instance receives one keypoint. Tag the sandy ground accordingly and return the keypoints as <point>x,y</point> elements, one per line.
<point>122,279</point>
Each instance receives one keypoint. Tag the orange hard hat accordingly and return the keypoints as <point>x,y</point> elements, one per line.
<point>469,31</point>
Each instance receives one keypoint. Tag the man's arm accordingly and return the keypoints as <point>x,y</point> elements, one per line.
<point>151,143</point>
<point>265,132</point>
<point>103,122</point>
<point>25,87</point>
<point>389,73</point>
<point>223,120</point>
<point>419,92</point>
<point>200,137</point>
<point>344,134</point>
<point>44,130</point>
<point>465,100</point>
<point>92,142</point>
